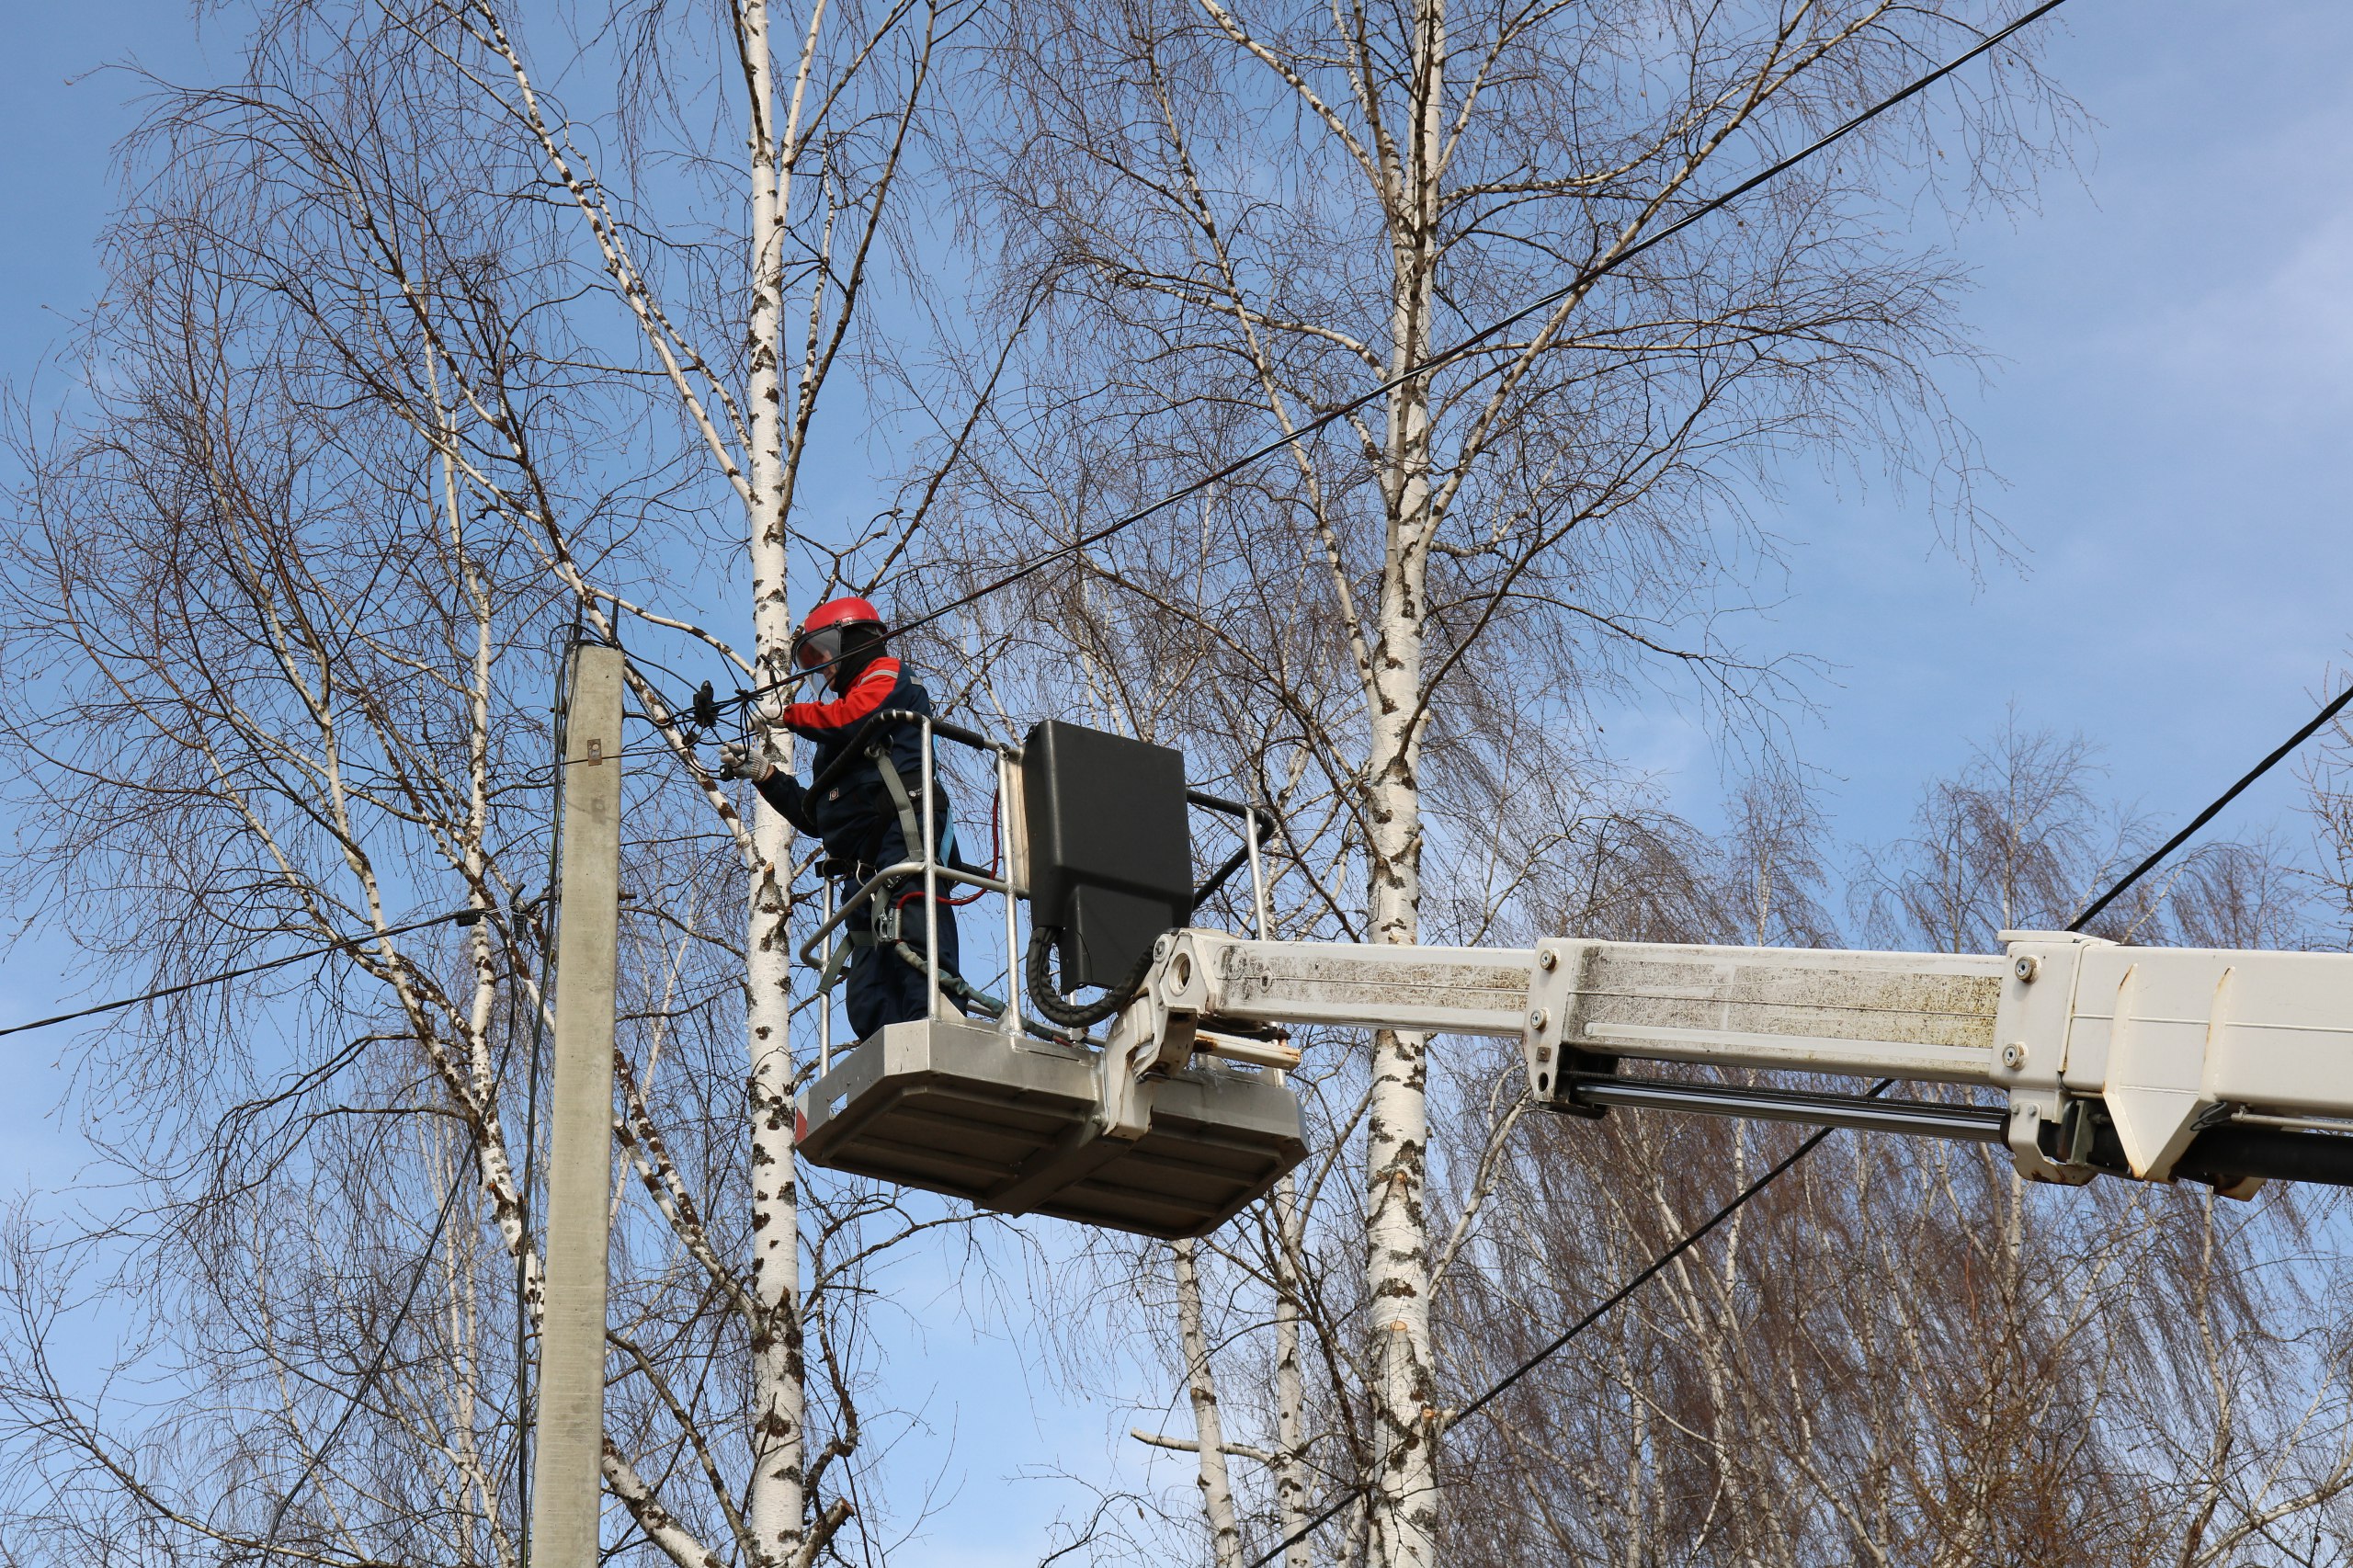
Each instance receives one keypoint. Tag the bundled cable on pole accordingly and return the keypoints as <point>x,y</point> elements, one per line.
<point>552,912</point>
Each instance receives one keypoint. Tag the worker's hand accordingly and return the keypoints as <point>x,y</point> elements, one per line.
<point>738,762</point>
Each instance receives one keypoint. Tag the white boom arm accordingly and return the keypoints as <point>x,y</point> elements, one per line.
<point>2155,1062</point>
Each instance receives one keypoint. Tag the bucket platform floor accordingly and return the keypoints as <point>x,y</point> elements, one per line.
<point>964,1109</point>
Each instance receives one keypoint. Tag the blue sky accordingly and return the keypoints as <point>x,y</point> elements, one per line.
<point>2170,404</point>
<point>2167,402</point>
<point>2169,408</point>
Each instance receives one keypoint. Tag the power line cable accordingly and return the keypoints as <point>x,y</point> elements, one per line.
<point>1692,1237</point>
<point>1494,1391</point>
<point>2280,754</point>
<point>1585,280</point>
<point>456,917</point>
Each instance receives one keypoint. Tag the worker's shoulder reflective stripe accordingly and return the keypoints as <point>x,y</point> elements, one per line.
<point>866,694</point>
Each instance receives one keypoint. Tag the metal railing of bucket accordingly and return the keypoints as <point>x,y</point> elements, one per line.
<point>878,888</point>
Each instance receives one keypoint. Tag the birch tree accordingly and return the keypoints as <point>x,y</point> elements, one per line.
<point>1248,211</point>
<point>1900,1353</point>
<point>441,328</point>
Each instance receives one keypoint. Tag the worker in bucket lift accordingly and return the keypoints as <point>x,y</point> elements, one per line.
<point>870,813</point>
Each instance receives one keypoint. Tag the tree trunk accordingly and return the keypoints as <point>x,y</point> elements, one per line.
<point>1208,1428</point>
<point>1397,1258</point>
<point>774,1507</point>
<point>1291,1387</point>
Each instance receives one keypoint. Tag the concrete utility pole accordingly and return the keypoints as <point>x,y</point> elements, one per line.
<point>565,1479</point>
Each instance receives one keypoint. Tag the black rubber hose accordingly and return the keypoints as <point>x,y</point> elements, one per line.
<point>980,1001</point>
<point>1052,1004</point>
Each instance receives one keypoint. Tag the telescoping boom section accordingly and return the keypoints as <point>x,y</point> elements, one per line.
<point>2158,1063</point>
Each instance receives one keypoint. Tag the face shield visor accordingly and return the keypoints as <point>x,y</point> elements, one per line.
<point>814,650</point>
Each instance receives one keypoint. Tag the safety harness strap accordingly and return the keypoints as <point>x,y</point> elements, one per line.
<point>908,823</point>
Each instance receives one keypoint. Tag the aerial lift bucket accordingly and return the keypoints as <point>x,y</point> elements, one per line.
<point>1099,838</point>
<point>1013,1126</point>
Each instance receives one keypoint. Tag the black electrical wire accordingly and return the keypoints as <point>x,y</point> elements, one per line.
<point>546,772</point>
<point>1585,279</point>
<point>2280,754</point>
<point>804,673</point>
<point>457,916</point>
<point>375,1369</point>
<point>1494,1391</point>
<point>1692,1238</point>
<point>1061,1010</point>
<point>637,658</point>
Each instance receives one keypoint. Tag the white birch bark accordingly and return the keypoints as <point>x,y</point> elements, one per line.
<point>1397,1256</point>
<point>1209,1428</point>
<point>775,1504</point>
<point>1291,1384</point>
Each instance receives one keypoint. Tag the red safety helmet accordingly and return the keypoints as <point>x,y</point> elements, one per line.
<point>818,642</point>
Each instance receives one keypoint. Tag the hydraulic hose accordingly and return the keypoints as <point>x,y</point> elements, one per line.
<point>1052,1004</point>
<point>975,1000</point>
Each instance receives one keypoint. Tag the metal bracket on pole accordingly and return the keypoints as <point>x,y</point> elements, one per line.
<point>571,1425</point>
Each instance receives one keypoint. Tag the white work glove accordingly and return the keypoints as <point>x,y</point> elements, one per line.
<point>739,762</point>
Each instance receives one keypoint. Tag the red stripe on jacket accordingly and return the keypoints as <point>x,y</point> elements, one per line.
<point>864,694</point>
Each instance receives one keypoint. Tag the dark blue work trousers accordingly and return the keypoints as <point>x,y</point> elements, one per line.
<point>882,987</point>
